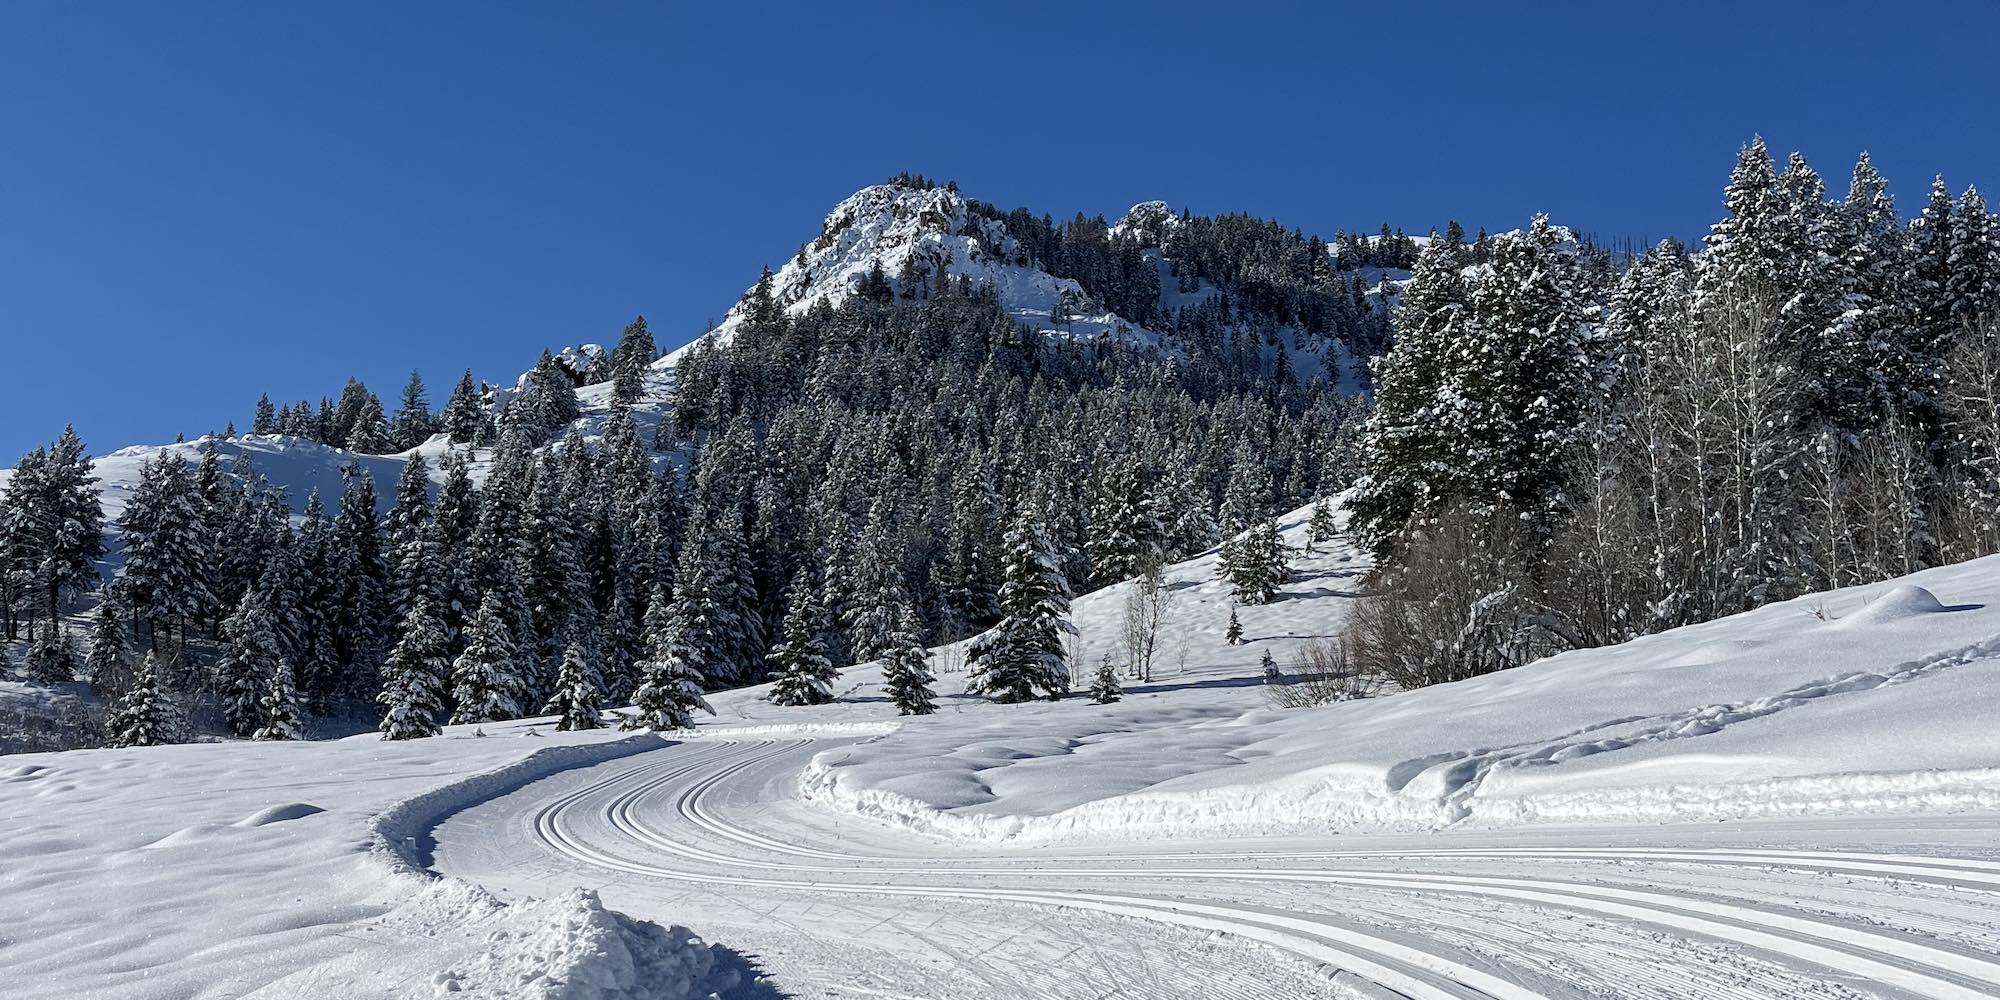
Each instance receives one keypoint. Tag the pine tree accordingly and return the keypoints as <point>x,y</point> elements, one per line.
<point>802,675</point>
<point>414,424</point>
<point>485,686</point>
<point>283,715</point>
<point>906,676</point>
<point>370,433</point>
<point>1322,526</point>
<point>412,695</point>
<point>1104,685</point>
<point>464,417</point>
<point>1258,565</point>
<point>250,660</point>
<point>166,554</point>
<point>266,420</point>
<point>1233,635</point>
<point>630,359</point>
<point>110,659</point>
<point>143,717</point>
<point>357,582</point>
<point>1024,655</point>
<point>670,676</point>
<point>50,660</point>
<point>575,702</point>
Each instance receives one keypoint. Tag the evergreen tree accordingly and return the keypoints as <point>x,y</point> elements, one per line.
<point>166,553</point>
<point>143,717</point>
<point>1322,526</point>
<point>1233,635</point>
<point>370,433</point>
<point>1258,565</point>
<point>110,659</point>
<point>1024,655</point>
<point>266,420</point>
<point>464,417</point>
<point>802,675</point>
<point>1104,685</point>
<point>906,676</point>
<point>412,695</point>
<point>485,686</point>
<point>630,359</point>
<point>283,715</point>
<point>670,676</point>
<point>357,585</point>
<point>414,424</point>
<point>250,660</point>
<point>50,660</point>
<point>575,702</point>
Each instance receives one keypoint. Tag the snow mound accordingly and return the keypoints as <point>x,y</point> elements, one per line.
<point>570,947</point>
<point>1896,604</point>
<point>280,814</point>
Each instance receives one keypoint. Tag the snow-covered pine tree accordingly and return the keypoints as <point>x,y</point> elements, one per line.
<point>465,418</point>
<point>143,717</point>
<point>266,419</point>
<point>358,586</point>
<point>801,673</point>
<point>370,434</point>
<point>1104,685</point>
<point>69,523</point>
<point>1415,417</point>
<point>575,704</point>
<point>872,613</point>
<point>109,665</point>
<point>166,554</point>
<point>1125,530</point>
<point>1233,633</point>
<point>1023,655</point>
<point>630,359</point>
<point>414,677</point>
<point>248,662</point>
<point>906,675</point>
<point>1259,565</point>
<point>50,660</point>
<point>1322,526</point>
<point>414,423</point>
<point>670,675</point>
<point>284,716</point>
<point>484,684</point>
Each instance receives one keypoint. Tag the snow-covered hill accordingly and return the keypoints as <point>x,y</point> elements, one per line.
<point>916,232</point>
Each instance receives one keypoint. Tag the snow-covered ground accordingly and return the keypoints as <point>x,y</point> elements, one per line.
<point>284,870</point>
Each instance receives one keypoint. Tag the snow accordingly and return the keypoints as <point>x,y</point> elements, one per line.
<point>1067,849</point>
<point>1879,707</point>
<point>891,225</point>
<point>225,869</point>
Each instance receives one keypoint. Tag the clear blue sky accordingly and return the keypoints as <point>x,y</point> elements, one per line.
<point>204,201</point>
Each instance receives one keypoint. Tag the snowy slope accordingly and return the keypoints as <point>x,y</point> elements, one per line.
<point>291,870</point>
<point>1776,712</point>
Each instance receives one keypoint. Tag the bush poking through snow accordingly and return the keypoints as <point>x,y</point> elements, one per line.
<point>1322,673</point>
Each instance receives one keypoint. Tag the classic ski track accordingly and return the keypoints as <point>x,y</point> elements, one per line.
<point>1903,963</point>
<point>1414,973</point>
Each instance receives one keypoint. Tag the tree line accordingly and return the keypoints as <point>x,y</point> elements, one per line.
<point>1558,459</point>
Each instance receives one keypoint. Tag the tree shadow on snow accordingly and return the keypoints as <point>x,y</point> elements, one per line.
<point>1141,687</point>
<point>750,981</point>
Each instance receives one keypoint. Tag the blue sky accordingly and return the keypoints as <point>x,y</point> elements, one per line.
<point>204,201</point>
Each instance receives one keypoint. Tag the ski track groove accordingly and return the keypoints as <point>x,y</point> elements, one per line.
<point>1901,962</point>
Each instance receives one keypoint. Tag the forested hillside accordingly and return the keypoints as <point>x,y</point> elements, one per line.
<point>940,419</point>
